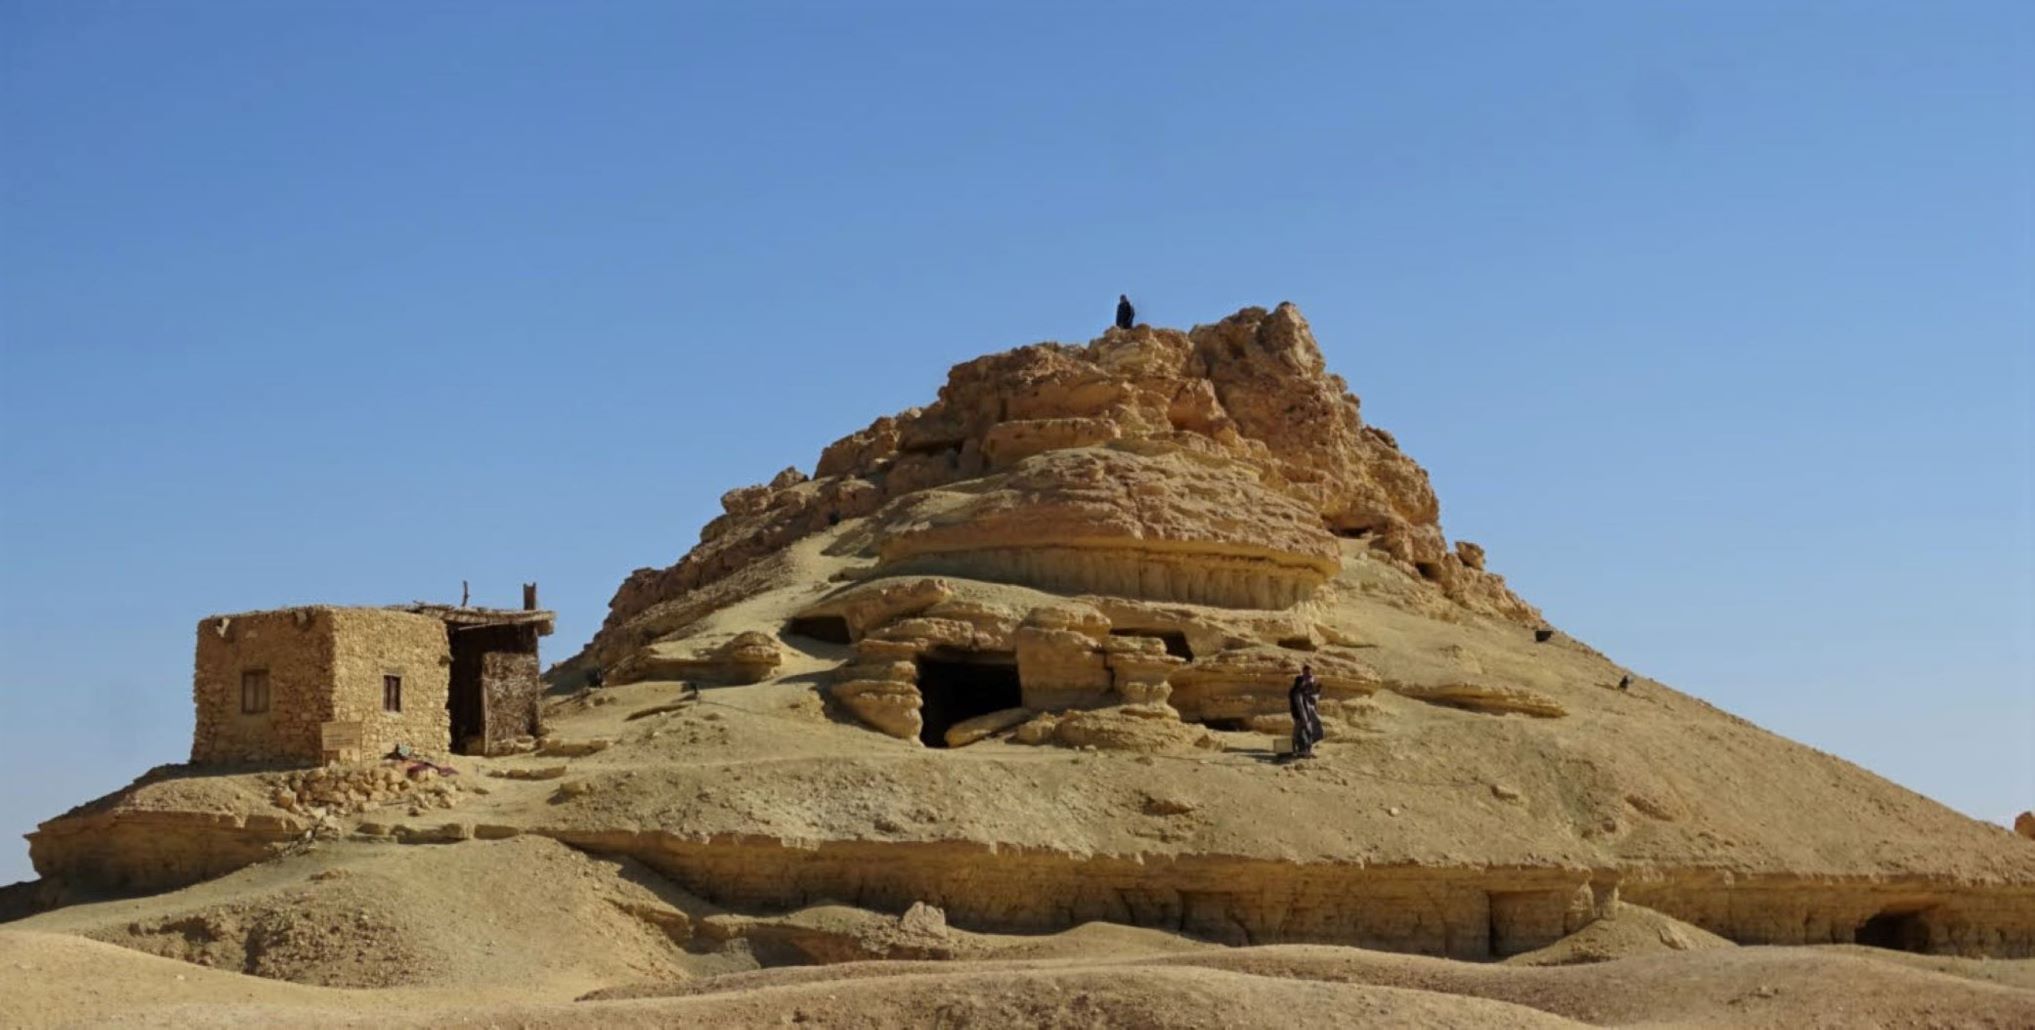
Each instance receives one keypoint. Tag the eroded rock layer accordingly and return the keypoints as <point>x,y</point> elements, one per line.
<point>1470,913</point>
<point>1214,466</point>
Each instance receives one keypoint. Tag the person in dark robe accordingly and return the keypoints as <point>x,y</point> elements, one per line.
<point>1126,316</point>
<point>1304,699</point>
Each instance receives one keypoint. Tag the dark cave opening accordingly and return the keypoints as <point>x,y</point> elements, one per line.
<point>955,686</point>
<point>1894,931</point>
<point>832,629</point>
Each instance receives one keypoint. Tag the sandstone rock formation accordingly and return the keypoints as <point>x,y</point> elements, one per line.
<point>746,657</point>
<point>1214,466</point>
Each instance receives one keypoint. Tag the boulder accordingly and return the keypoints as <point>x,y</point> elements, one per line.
<point>746,657</point>
<point>1138,728</point>
<point>968,731</point>
<point>1491,699</point>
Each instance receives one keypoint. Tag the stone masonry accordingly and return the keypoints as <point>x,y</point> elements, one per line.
<point>321,664</point>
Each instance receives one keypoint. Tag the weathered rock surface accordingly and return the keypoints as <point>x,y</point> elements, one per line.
<point>968,731</point>
<point>1167,526</point>
<point>1211,466</point>
<point>747,657</point>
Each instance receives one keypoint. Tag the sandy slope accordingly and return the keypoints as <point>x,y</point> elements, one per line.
<point>63,980</point>
<point>529,932</point>
<point>527,913</point>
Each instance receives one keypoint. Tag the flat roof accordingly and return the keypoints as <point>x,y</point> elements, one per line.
<point>456,616</point>
<point>469,617</point>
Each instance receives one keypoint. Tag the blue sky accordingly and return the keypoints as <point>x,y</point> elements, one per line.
<point>1712,322</point>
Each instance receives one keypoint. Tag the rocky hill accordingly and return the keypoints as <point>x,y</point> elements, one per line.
<point>1022,655</point>
<point>1218,466</point>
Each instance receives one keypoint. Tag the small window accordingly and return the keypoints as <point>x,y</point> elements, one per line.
<point>254,691</point>
<point>392,693</point>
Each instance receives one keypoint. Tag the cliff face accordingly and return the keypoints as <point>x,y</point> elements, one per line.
<point>1213,466</point>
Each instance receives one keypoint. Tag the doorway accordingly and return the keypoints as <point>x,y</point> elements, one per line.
<point>958,685</point>
<point>495,694</point>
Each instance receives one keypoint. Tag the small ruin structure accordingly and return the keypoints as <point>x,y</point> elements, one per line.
<point>323,683</point>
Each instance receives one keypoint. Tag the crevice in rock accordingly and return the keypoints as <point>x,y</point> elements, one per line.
<point>1175,641</point>
<point>830,629</point>
<point>1895,931</point>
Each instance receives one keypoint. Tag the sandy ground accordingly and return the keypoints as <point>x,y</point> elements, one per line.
<point>529,932</point>
<point>61,980</point>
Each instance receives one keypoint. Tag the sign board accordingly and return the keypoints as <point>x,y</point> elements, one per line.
<point>341,737</point>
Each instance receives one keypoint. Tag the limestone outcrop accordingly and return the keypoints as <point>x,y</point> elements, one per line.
<point>1086,652</point>
<point>746,657</point>
<point>1168,525</point>
<point>1213,466</point>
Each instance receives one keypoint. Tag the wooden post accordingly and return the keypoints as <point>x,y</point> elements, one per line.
<point>529,597</point>
<point>463,594</point>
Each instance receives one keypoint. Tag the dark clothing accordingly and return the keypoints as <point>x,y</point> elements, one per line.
<point>1304,699</point>
<point>1126,316</point>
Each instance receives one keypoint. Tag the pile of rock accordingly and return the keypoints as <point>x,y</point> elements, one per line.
<point>347,789</point>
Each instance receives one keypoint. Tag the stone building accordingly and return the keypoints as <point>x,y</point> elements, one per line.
<point>323,682</point>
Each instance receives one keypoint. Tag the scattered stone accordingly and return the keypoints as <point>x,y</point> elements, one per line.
<point>923,919</point>
<point>575,748</point>
<point>1156,804</point>
<point>542,772</point>
<point>679,705</point>
<point>1647,804</point>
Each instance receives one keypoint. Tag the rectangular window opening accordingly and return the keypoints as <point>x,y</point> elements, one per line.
<point>392,693</point>
<point>254,691</point>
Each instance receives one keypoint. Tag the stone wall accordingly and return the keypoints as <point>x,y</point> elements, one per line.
<point>515,698</point>
<point>294,646</point>
<point>371,643</point>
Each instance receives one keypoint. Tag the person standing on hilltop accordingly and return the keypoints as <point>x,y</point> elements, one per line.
<point>1304,698</point>
<point>1126,316</point>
